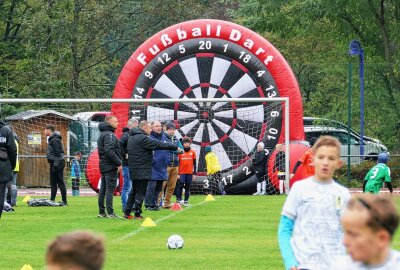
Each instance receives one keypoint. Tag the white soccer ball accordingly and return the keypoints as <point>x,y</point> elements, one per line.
<point>175,242</point>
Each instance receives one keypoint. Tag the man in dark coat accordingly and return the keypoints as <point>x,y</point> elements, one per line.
<point>259,163</point>
<point>55,157</point>
<point>8,160</point>
<point>140,154</point>
<point>110,156</point>
<point>159,165</point>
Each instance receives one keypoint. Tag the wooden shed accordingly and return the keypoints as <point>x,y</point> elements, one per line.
<point>29,126</point>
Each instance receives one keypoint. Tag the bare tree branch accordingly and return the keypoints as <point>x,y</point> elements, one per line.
<point>117,50</point>
<point>9,20</point>
<point>355,28</point>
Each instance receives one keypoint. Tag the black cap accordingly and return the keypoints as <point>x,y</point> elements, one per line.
<point>170,125</point>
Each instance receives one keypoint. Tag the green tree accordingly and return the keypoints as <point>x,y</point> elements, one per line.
<point>314,37</point>
<point>76,48</point>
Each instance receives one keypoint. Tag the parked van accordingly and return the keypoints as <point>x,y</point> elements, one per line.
<point>91,116</point>
<point>83,132</point>
<point>315,127</point>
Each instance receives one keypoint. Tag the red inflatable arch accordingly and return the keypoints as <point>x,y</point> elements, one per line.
<point>265,51</point>
<point>266,55</point>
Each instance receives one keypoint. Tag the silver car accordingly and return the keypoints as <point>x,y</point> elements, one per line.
<point>372,147</point>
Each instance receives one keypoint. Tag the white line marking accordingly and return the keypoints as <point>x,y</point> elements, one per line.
<point>138,230</point>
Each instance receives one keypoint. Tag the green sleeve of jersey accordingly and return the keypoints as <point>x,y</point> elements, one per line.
<point>367,176</point>
<point>387,175</point>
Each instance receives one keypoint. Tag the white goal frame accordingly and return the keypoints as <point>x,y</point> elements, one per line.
<point>286,117</point>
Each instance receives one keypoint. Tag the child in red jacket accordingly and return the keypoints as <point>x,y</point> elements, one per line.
<point>187,171</point>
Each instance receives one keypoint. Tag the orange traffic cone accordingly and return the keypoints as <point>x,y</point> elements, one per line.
<point>176,207</point>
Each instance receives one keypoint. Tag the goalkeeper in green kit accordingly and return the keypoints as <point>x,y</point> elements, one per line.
<point>377,175</point>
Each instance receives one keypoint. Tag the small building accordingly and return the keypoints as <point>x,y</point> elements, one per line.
<point>29,126</point>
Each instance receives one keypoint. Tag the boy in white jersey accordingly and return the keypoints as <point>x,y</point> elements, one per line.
<point>309,231</point>
<point>369,223</point>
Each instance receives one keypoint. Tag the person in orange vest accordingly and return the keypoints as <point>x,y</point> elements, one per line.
<point>187,171</point>
<point>307,161</point>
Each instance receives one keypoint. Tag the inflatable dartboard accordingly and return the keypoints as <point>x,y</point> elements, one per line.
<point>213,59</point>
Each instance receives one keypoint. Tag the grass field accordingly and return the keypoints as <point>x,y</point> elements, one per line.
<point>233,232</point>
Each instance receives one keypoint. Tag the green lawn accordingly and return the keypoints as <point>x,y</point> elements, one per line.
<point>233,232</point>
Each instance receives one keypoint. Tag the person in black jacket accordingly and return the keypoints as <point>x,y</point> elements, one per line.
<point>140,155</point>
<point>110,156</point>
<point>8,160</point>
<point>259,163</point>
<point>123,142</point>
<point>11,190</point>
<point>55,157</point>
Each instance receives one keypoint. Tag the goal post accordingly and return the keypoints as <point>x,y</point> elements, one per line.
<point>231,126</point>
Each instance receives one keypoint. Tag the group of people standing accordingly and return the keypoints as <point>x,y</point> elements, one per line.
<point>151,160</point>
<point>9,144</point>
<point>259,163</point>
<point>261,157</point>
<point>149,156</point>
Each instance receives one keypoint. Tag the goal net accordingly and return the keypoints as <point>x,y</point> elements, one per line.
<point>243,134</point>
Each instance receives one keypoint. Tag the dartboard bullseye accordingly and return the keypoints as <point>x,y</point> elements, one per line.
<point>213,59</point>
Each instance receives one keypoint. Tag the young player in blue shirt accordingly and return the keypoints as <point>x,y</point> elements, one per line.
<point>76,174</point>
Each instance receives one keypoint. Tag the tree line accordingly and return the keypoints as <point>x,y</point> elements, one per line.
<point>76,48</point>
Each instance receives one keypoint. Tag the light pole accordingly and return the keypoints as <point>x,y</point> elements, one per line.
<point>356,49</point>
<point>349,125</point>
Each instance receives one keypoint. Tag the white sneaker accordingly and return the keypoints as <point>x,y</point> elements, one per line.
<point>262,193</point>
<point>257,193</point>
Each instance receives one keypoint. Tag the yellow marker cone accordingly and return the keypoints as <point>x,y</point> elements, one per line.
<point>26,198</point>
<point>26,267</point>
<point>209,198</point>
<point>148,222</point>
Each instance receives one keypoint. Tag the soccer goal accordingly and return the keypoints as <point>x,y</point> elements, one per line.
<point>232,127</point>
